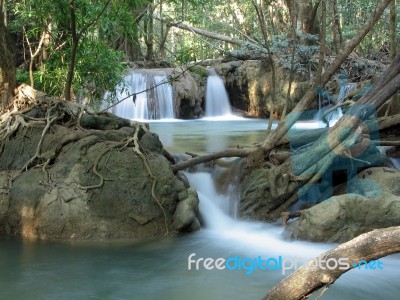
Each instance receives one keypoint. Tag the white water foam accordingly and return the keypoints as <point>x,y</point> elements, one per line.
<point>217,101</point>
<point>153,100</point>
<point>239,234</point>
<point>335,115</point>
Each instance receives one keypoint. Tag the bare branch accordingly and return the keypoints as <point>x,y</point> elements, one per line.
<point>302,105</point>
<point>366,247</point>
<point>210,157</point>
<point>202,32</point>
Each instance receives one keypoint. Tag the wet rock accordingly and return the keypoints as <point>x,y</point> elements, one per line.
<point>186,212</point>
<point>262,190</point>
<point>249,86</point>
<point>151,142</point>
<point>91,187</point>
<point>372,180</point>
<point>341,218</point>
<point>188,93</point>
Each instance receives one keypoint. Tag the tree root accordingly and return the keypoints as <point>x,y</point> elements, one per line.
<point>95,171</point>
<point>54,111</point>
<point>136,149</point>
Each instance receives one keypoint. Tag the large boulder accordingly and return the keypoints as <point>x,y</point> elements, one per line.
<point>189,89</point>
<point>249,85</point>
<point>90,184</point>
<point>263,189</point>
<point>341,218</point>
<point>381,179</point>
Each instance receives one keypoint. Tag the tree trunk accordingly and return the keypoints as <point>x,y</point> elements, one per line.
<point>305,15</point>
<point>395,102</point>
<point>322,43</point>
<point>148,34</point>
<point>131,47</point>
<point>161,48</point>
<point>261,20</point>
<point>361,250</point>
<point>7,65</point>
<point>203,32</point>
<point>76,37</point>
<point>335,27</point>
<point>272,139</point>
<point>75,41</point>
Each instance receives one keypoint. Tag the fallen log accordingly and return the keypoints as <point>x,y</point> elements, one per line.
<point>209,157</point>
<point>364,248</point>
<point>312,135</point>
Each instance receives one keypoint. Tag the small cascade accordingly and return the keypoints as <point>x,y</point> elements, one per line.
<point>238,234</point>
<point>160,99</point>
<point>395,162</point>
<point>153,98</point>
<point>335,115</point>
<point>217,101</point>
<point>213,206</point>
<point>345,89</point>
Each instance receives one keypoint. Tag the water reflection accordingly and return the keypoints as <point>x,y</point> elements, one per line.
<point>200,136</point>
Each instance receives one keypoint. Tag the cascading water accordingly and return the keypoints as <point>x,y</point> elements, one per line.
<point>332,117</point>
<point>239,238</point>
<point>345,89</point>
<point>160,101</point>
<point>220,222</point>
<point>158,269</point>
<point>129,108</point>
<point>217,101</point>
<point>153,98</point>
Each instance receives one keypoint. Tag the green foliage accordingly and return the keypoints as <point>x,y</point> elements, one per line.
<point>98,69</point>
<point>185,54</point>
<point>201,71</point>
<point>354,15</point>
<point>121,29</point>
<point>98,65</point>
<point>23,77</point>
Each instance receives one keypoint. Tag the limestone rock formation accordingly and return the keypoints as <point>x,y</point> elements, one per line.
<point>67,181</point>
<point>249,85</point>
<point>188,90</point>
<point>341,218</point>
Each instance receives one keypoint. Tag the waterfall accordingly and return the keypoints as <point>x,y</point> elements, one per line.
<point>212,205</point>
<point>160,100</point>
<point>217,101</point>
<point>223,228</point>
<point>344,90</point>
<point>153,98</point>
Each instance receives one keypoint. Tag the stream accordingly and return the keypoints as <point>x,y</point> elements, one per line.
<point>158,269</point>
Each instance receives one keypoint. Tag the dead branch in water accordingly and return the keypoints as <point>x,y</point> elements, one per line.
<point>209,157</point>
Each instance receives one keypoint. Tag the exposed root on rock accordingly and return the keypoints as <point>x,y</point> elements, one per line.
<point>33,109</point>
<point>137,150</point>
